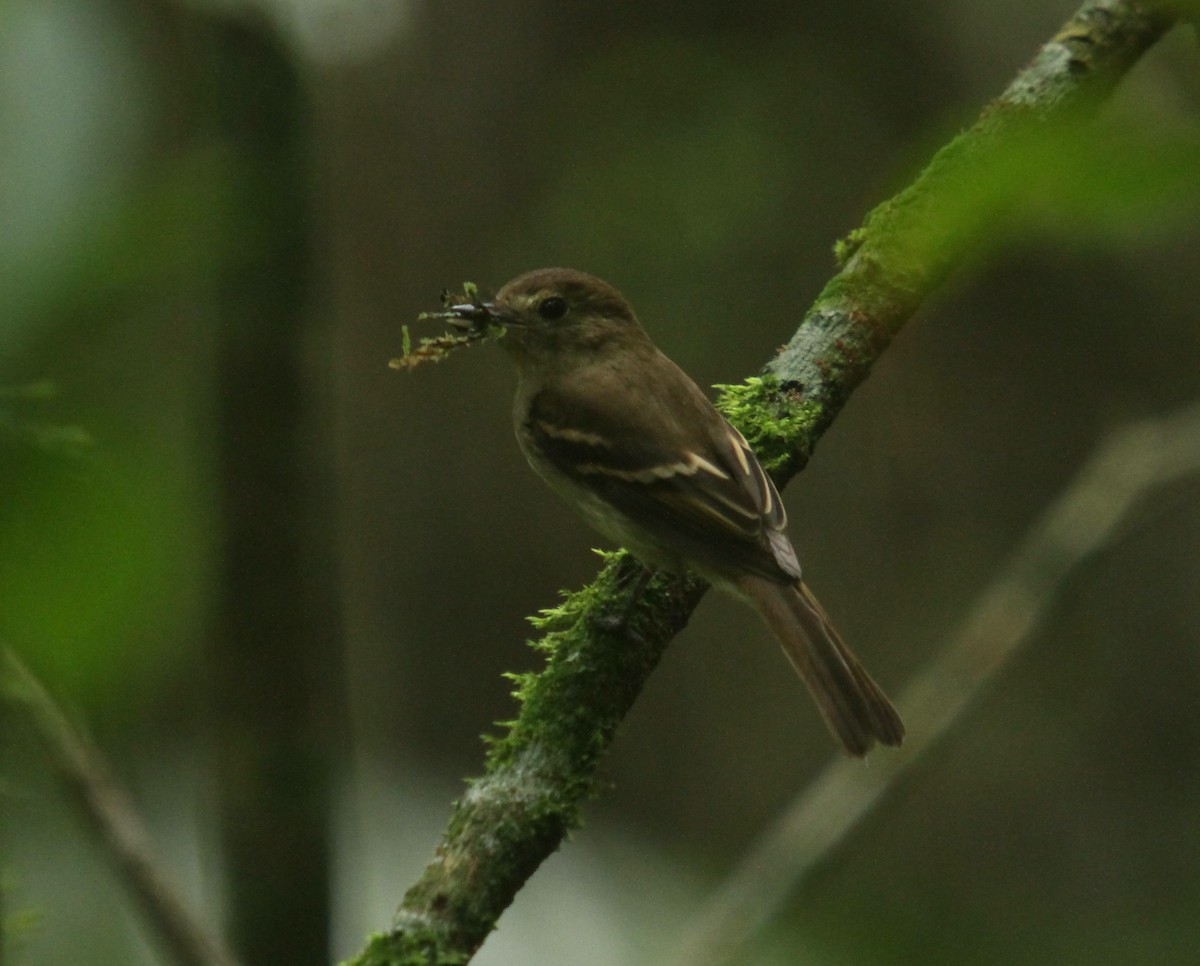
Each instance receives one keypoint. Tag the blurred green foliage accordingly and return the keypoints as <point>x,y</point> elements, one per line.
<point>17,922</point>
<point>98,525</point>
<point>669,158</point>
<point>1094,186</point>
<point>87,560</point>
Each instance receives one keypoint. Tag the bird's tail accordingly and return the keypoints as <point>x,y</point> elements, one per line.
<point>853,706</point>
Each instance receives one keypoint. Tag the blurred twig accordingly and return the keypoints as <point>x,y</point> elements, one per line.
<point>518,813</point>
<point>1127,465</point>
<point>108,809</point>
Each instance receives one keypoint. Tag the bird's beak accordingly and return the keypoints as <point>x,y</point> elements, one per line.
<point>473,315</point>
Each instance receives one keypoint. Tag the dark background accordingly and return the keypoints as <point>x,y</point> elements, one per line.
<point>704,158</point>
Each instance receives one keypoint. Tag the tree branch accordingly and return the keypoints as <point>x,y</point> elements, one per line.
<point>108,809</point>
<point>538,773</point>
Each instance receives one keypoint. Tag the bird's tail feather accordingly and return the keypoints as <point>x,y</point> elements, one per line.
<point>853,706</point>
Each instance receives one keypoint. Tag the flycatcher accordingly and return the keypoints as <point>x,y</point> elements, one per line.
<point>621,433</point>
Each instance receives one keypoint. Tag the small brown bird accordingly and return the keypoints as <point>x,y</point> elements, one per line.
<point>620,432</point>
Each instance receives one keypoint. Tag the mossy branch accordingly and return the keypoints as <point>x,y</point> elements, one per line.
<point>543,768</point>
<point>908,245</point>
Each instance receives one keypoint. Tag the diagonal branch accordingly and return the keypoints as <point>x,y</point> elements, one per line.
<point>537,774</point>
<point>108,809</point>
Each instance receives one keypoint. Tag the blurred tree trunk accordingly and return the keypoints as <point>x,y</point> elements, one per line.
<point>274,659</point>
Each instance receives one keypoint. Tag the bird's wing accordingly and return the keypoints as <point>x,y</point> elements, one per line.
<point>677,470</point>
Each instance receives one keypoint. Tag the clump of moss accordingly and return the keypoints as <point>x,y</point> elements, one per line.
<point>472,327</point>
<point>844,248</point>
<point>778,428</point>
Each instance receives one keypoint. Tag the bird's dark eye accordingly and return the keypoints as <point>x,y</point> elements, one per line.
<point>552,309</point>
